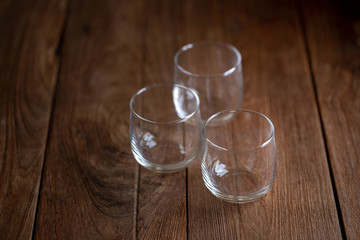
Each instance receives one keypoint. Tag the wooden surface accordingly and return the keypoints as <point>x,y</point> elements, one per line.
<point>333,36</point>
<point>29,65</point>
<point>161,206</point>
<point>69,68</point>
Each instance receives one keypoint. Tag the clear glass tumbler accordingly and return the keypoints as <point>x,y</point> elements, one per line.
<point>165,125</point>
<point>214,70</point>
<point>239,156</point>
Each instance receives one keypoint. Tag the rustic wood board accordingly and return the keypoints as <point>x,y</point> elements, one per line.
<point>89,182</point>
<point>161,211</point>
<point>333,36</point>
<point>301,68</point>
<point>28,68</point>
<point>218,219</point>
<point>277,82</point>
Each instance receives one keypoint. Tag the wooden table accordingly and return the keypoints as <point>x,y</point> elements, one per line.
<point>69,68</point>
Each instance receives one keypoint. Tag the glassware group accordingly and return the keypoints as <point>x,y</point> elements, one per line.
<point>170,123</point>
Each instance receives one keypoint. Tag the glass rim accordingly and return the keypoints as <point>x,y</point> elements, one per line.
<point>159,85</point>
<point>262,145</point>
<point>192,45</point>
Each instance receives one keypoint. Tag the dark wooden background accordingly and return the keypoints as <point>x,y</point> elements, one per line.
<point>69,68</point>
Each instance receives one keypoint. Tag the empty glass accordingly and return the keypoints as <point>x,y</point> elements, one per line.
<point>165,125</point>
<point>239,156</point>
<point>214,70</point>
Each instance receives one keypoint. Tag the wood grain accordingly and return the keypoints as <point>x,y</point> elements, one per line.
<point>64,113</point>
<point>162,197</point>
<point>333,35</point>
<point>89,184</point>
<point>28,69</point>
<point>220,219</point>
<point>277,82</point>
<point>301,204</point>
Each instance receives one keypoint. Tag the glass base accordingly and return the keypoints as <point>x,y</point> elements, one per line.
<point>237,198</point>
<point>164,168</point>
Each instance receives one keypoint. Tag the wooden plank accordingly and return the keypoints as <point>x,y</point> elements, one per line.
<point>277,82</point>
<point>89,184</point>
<point>161,197</point>
<point>28,71</point>
<point>209,218</point>
<point>301,204</point>
<point>204,21</point>
<point>333,35</point>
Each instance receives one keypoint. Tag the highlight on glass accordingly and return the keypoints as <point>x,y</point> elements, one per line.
<point>239,156</point>
<point>165,125</point>
<point>214,70</point>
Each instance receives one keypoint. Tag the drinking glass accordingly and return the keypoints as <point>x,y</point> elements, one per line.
<point>165,125</point>
<point>214,70</point>
<point>238,156</point>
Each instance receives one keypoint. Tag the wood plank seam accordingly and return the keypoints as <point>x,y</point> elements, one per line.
<point>30,61</point>
<point>136,200</point>
<point>137,170</point>
<point>187,202</point>
<point>300,14</point>
<point>58,54</point>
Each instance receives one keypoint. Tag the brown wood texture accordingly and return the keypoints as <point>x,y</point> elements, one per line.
<point>333,35</point>
<point>89,183</point>
<point>277,82</point>
<point>220,219</point>
<point>161,210</point>
<point>66,168</point>
<point>30,33</point>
